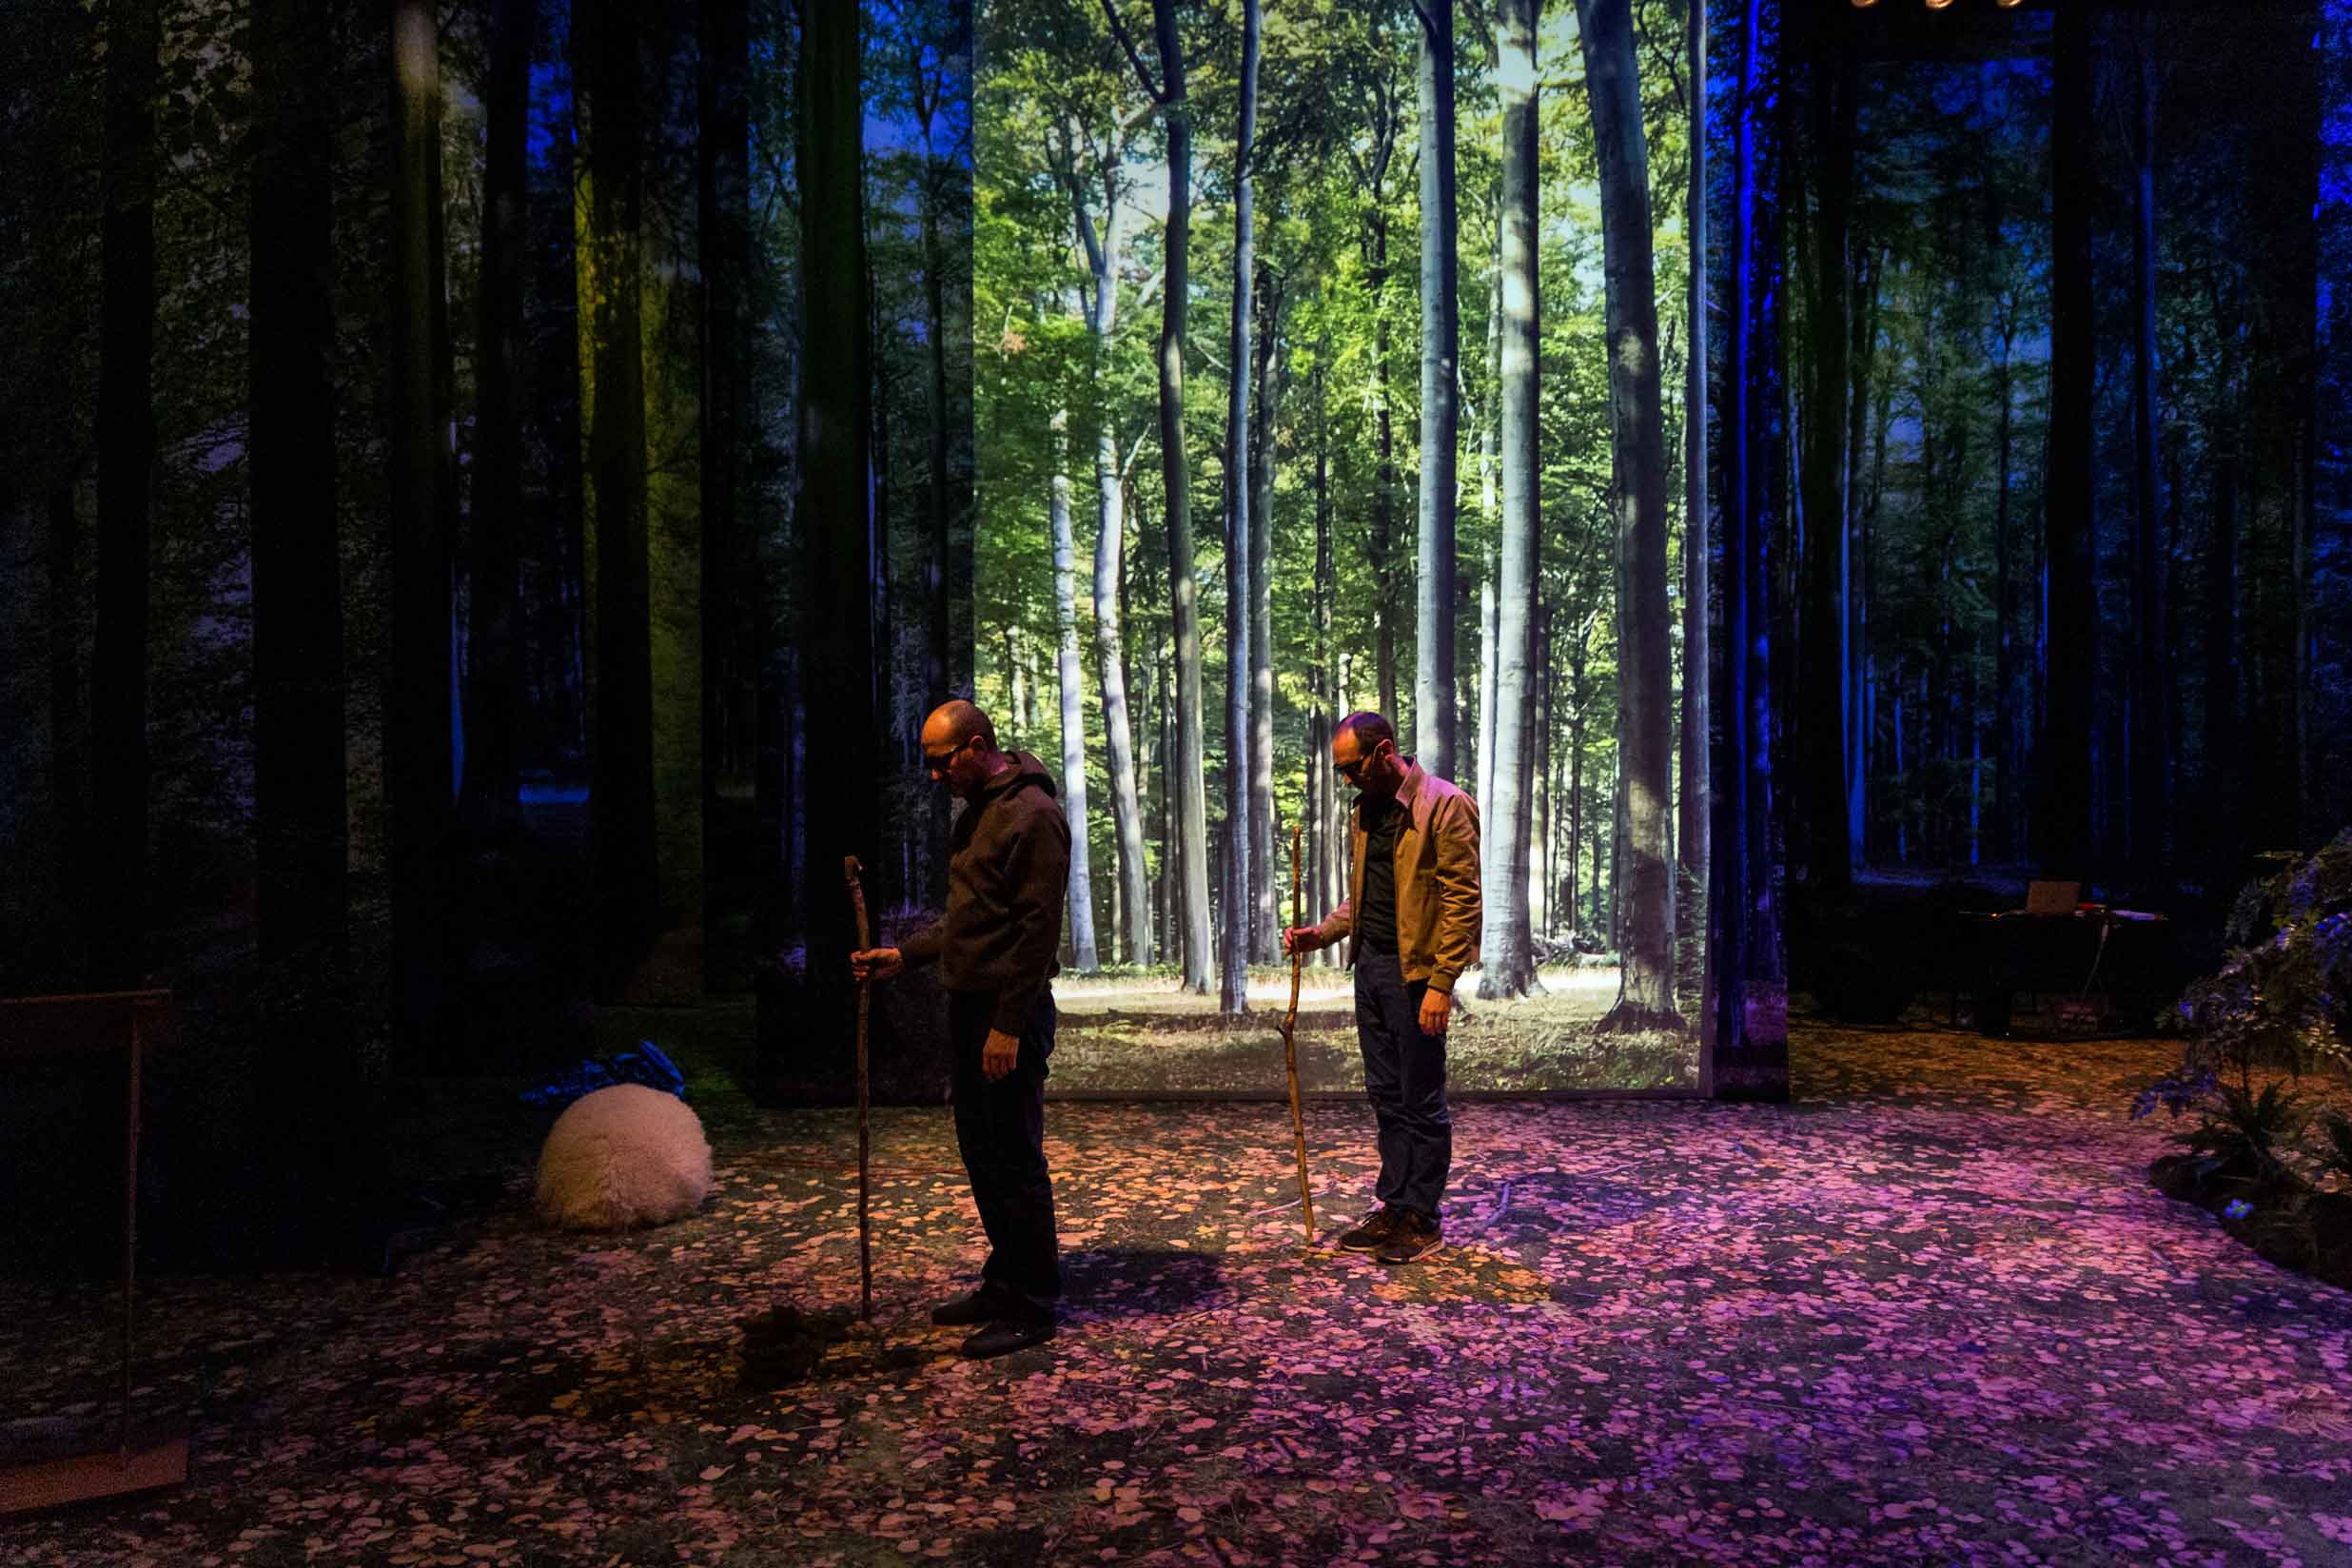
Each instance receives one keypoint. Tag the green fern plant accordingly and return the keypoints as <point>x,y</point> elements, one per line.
<point>2333,1147</point>
<point>2244,1139</point>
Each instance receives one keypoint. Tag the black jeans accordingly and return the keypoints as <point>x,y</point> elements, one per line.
<point>1000,1129</point>
<point>1404,1075</point>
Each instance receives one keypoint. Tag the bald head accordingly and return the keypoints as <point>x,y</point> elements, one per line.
<point>1364,750</point>
<point>959,747</point>
<point>957,723</point>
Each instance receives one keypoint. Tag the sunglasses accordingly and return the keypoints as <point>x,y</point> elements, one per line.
<point>1353,771</point>
<point>938,761</point>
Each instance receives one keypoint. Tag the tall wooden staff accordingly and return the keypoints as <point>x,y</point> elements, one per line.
<point>1290,1040</point>
<point>849,869</point>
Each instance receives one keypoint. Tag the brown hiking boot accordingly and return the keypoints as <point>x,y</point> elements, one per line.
<point>1373,1233</point>
<point>1415,1235</point>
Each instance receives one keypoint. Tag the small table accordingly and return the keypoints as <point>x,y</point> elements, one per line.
<point>64,1026</point>
<point>1998,954</point>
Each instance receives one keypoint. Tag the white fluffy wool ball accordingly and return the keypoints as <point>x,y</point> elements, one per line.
<point>623,1157</point>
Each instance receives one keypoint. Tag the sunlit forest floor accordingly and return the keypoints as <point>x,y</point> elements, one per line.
<point>1143,1034</point>
<point>1930,1312</point>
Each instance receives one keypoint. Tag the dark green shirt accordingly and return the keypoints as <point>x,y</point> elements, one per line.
<point>1376,915</point>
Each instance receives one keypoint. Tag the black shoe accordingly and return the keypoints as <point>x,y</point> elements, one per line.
<point>1415,1236</point>
<point>1003,1339</point>
<point>981,1305</point>
<point>1373,1233</point>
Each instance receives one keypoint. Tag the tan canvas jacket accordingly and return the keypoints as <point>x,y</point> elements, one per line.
<point>1438,910</point>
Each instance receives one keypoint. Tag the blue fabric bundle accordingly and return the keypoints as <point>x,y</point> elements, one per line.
<point>648,1065</point>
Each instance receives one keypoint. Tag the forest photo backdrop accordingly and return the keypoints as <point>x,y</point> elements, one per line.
<point>2066,578</point>
<point>404,603</point>
<point>1395,301</point>
<point>493,488</point>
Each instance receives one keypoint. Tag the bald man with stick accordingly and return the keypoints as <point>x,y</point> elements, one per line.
<point>1008,879</point>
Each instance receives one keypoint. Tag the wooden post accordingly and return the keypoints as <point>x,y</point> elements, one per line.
<point>46,1025</point>
<point>1291,1043</point>
<point>865,1002</point>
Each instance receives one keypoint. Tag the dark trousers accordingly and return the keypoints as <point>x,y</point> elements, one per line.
<point>1404,1073</point>
<point>1000,1129</point>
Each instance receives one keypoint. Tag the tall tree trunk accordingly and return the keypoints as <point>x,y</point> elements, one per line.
<point>627,886</point>
<point>1372,170</point>
<point>898,641</point>
<point>1489,579</point>
<point>2062,809</point>
<point>1884,403</point>
<point>1324,832</point>
<point>116,945</point>
<point>2006,759</point>
<point>1123,920</point>
<point>1578,695</point>
<point>936,516</point>
<point>948,261</point>
<point>490,802</point>
<point>2224,706</point>
<point>1824,704</point>
<point>2147,794</point>
<point>945,579</point>
<point>833,507</point>
<point>1975,720</point>
<point>1127,810</point>
<point>1746,1055</point>
<point>1016,677</point>
<point>1902,808</point>
<point>301,841</point>
<point>2035,715</point>
<point>418,751</point>
<point>1693,841</point>
<point>1073,722</point>
<point>1033,680</point>
<point>1265,941</point>
<point>730,571</point>
<point>1509,963</point>
<point>69,728</point>
<point>1176,475</point>
<point>1381,538</point>
<point>1433,719</point>
<point>1869,272</point>
<point>1102,250</point>
<point>1547,828</point>
<point>2323,606</point>
<point>1171,810</point>
<point>1239,903</point>
<point>1646,999</point>
<point>561,735</point>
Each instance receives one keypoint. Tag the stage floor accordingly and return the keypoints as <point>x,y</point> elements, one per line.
<point>1930,1312</point>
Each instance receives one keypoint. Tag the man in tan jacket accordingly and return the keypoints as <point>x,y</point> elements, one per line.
<point>1413,910</point>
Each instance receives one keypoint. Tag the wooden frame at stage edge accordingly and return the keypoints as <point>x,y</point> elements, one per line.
<point>62,1026</point>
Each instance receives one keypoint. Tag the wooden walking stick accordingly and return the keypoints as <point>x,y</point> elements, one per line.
<point>849,869</point>
<point>1290,1042</point>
